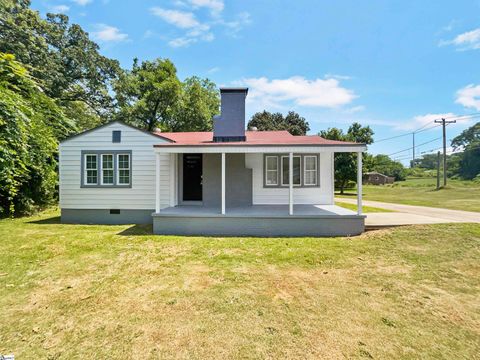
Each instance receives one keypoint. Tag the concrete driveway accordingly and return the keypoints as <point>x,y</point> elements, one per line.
<point>410,214</point>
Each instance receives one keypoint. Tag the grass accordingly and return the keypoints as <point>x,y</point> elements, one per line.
<point>72,291</point>
<point>366,209</point>
<point>458,195</point>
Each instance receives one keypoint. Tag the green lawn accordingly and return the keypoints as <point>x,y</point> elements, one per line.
<point>458,195</point>
<point>366,209</point>
<point>116,292</point>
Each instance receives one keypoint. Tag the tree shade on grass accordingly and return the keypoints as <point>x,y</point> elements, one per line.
<point>84,291</point>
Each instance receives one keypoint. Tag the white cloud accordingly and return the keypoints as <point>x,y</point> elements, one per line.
<point>181,42</point>
<point>181,19</point>
<point>215,6</point>
<point>469,40</point>
<point>326,93</point>
<point>194,29</point>
<point>469,96</point>
<point>60,9</point>
<point>422,120</point>
<point>106,33</point>
<point>185,20</point>
<point>238,24</point>
<point>355,109</point>
<point>213,70</point>
<point>82,2</point>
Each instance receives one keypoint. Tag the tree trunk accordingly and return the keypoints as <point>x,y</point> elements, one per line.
<point>342,186</point>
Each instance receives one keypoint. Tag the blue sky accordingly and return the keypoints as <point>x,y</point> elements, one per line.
<point>393,65</point>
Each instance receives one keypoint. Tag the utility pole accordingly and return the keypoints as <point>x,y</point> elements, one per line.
<point>444,124</point>
<point>438,170</point>
<point>413,147</point>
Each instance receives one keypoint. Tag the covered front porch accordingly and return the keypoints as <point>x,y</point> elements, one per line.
<point>236,199</point>
<point>259,220</point>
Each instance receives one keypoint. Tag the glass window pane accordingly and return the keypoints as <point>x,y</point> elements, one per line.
<point>108,176</point>
<point>91,176</point>
<point>296,170</point>
<point>124,177</point>
<point>310,178</point>
<point>271,178</point>
<point>310,163</point>
<point>91,161</point>
<point>107,161</point>
<point>271,163</point>
<point>123,161</point>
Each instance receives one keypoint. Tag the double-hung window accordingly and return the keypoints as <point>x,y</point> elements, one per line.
<point>277,170</point>
<point>271,170</point>
<point>91,169</point>
<point>123,169</point>
<point>310,170</point>
<point>107,169</point>
<point>297,162</point>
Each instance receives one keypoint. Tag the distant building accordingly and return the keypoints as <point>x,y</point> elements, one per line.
<point>375,178</point>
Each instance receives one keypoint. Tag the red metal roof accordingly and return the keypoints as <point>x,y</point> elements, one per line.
<point>253,138</point>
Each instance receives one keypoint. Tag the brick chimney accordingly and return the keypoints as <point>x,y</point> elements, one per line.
<point>230,124</point>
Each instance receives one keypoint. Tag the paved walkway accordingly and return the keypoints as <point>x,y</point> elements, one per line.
<point>410,214</point>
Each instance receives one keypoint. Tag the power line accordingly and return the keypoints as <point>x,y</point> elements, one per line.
<point>410,148</point>
<point>425,128</point>
<point>421,129</point>
<point>460,117</point>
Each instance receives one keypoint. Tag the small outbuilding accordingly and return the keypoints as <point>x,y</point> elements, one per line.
<point>375,178</point>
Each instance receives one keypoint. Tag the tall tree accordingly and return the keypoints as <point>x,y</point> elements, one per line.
<point>148,94</point>
<point>30,125</point>
<point>292,122</point>
<point>199,101</point>
<point>346,163</point>
<point>65,62</point>
<point>469,158</point>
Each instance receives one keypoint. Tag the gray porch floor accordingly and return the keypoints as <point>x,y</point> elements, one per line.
<point>258,211</point>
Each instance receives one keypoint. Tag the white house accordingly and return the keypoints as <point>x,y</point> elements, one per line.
<point>226,182</point>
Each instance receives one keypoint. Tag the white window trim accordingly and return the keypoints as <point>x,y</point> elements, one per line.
<point>266,170</point>
<point>300,172</point>
<point>118,169</point>
<point>102,168</point>
<point>315,171</point>
<point>85,170</point>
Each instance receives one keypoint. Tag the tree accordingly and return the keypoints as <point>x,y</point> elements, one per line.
<point>148,94</point>
<point>293,122</point>
<point>469,158</point>
<point>198,103</point>
<point>346,163</point>
<point>65,62</point>
<point>30,125</point>
<point>384,165</point>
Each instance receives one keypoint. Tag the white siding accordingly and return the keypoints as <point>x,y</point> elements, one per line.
<point>142,193</point>
<point>311,195</point>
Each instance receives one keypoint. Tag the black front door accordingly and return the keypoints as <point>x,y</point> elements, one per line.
<point>192,177</point>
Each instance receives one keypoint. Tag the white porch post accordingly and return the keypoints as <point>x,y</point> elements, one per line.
<point>223,183</point>
<point>359,183</point>
<point>157,182</point>
<point>290,183</point>
<point>173,177</point>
